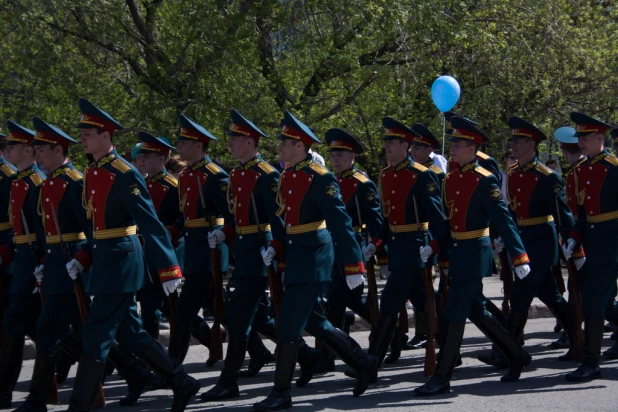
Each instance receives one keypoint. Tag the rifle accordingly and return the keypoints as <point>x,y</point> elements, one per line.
<point>372,293</point>
<point>507,282</point>
<point>82,302</point>
<point>52,396</point>
<point>274,280</point>
<point>216,342</point>
<point>578,345</point>
<point>430,349</point>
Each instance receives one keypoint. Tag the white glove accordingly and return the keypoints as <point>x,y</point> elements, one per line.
<point>38,273</point>
<point>426,252</point>
<point>568,248</point>
<point>215,237</point>
<point>579,263</point>
<point>267,255</point>
<point>170,286</point>
<point>499,244</point>
<point>369,251</point>
<point>384,272</point>
<point>354,281</point>
<point>522,271</point>
<point>74,268</point>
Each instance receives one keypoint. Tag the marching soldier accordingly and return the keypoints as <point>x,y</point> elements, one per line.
<point>573,156</point>
<point>29,242</point>
<point>116,200</point>
<point>472,196</point>
<point>356,190</point>
<point>410,196</point>
<point>611,313</point>
<point>536,195</point>
<point>596,180</point>
<point>252,199</point>
<point>203,205</point>
<point>315,220</point>
<point>7,174</point>
<point>485,161</point>
<point>163,190</point>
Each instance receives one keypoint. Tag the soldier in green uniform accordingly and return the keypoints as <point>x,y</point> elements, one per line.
<point>315,221</point>
<point>252,192</point>
<point>203,181</point>
<point>597,230</point>
<point>7,174</point>
<point>536,194</point>
<point>356,191</point>
<point>116,201</point>
<point>163,190</point>
<point>472,197</point>
<point>29,242</point>
<point>410,196</point>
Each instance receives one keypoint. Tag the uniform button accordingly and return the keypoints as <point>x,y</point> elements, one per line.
<point>310,179</point>
<point>519,190</point>
<point>48,233</point>
<point>456,210</point>
<point>46,216</point>
<point>383,174</point>
<point>190,174</point>
<point>97,228</point>
<point>590,168</point>
<point>394,222</point>
<point>457,192</point>
<point>393,191</point>
<point>294,175</point>
<point>354,184</point>
<point>95,172</point>
<point>92,191</point>
<point>588,182</point>
<point>238,205</point>
<point>477,179</point>
<point>588,197</point>
<point>239,220</point>
<point>460,175</point>
<point>64,185</point>
<point>521,175</point>
<point>340,180</point>
<point>48,250</point>
<point>395,175</point>
<point>95,209</point>
<point>188,203</point>
<point>94,247</point>
<point>242,174</point>
<point>289,208</point>
<point>591,212</point>
<point>256,177</point>
<point>454,244</point>
<point>150,185</point>
<point>188,189</point>
<point>240,237</point>
<point>455,228</point>
<point>289,225</point>
<point>393,237</point>
<point>393,207</point>
<point>591,226</point>
<point>289,192</point>
<point>518,204</point>
<point>239,189</point>
<point>520,231</point>
<point>51,183</point>
<point>47,199</point>
<point>290,242</point>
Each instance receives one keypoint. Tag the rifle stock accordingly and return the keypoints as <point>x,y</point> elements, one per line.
<point>276,291</point>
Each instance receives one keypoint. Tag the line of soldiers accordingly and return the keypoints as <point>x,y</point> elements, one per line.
<point>88,243</point>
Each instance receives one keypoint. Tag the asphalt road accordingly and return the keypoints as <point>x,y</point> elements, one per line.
<point>475,387</point>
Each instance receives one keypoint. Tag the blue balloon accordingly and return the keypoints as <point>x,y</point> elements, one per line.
<point>445,93</point>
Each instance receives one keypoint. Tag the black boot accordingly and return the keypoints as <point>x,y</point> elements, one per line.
<point>449,353</point>
<point>152,328</point>
<point>593,338</point>
<point>10,366</point>
<point>259,355</point>
<point>184,386</point>
<point>612,353</point>
<point>227,385</point>
<point>397,342</point>
<point>68,354</point>
<point>280,397</point>
<point>40,384</point>
<point>516,357</point>
<point>138,379</point>
<point>326,363</point>
<point>348,321</point>
<point>420,332</point>
<point>382,337</point>
<point>86,386</point>
<point>308,358</point>
<point>564,313</point>
<point>180,340</point>
<point>348,350</point>
<point>516,324</point>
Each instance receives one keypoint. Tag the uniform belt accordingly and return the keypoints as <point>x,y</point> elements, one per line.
<point>307,227</point>
<point>66,237</point>
<point>6,226</point>
<point>603,217</point>
<point>250,230</point>
<point>114,233</point>
<point>358,229</point>
<point>201,222</point>
<point>413,227</point>
<point>472,234</point>
<point>21,239</point>
<point>532,221</point>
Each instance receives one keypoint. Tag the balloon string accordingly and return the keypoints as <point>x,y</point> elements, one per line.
<point>443,131</point>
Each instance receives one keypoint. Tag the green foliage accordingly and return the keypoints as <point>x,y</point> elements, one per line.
<point>333,63</point>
